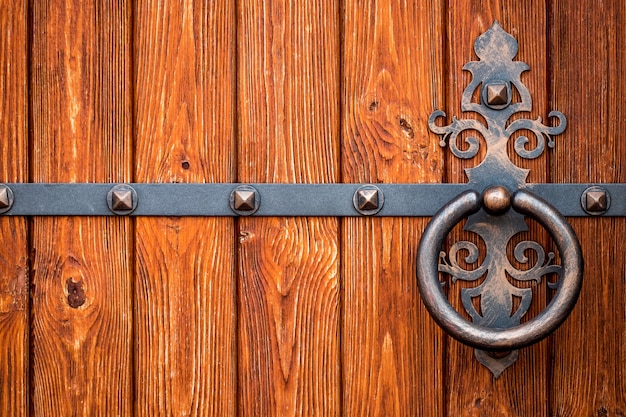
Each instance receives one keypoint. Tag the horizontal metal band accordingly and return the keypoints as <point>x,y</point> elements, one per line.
<point>412,200</point>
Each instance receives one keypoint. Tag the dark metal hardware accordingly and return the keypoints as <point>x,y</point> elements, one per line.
<point>336,200</point>
<point>368,200</point>
<point>497,94</point>
<point>497,200</point>
<point>6,198</point>
<point>494,328</point>
<point>244,200</point>
<point>122,199</point>
<point>595,200</point>
<point>495,319</point>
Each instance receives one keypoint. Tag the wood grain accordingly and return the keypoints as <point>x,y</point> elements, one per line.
<point>589,357</point>
<point>324,316</point>
<point>392,351</point>
<point>471,388</point>
<point>82,306</point>
<point>288,54</point>
<point>185,290</point>
<point>14,263</point>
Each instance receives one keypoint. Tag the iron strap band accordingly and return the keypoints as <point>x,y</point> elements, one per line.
<point>411,200</point>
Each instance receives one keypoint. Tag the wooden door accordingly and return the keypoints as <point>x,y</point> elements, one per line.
<point>283,316</point>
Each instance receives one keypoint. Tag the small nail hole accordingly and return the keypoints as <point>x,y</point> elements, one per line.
<point>185,165</point>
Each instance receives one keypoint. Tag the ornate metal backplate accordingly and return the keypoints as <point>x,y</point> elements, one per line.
<point>496,79</point>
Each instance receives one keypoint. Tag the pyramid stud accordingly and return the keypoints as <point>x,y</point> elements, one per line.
<point>497,94</point>
<point>244,200</point>
<point>6,198</point>
<point>368,199</point>
<point>122,199</point>
<point>595,200</point>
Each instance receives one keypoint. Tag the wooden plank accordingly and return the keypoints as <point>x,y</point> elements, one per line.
<point>81,307</point>
<point>185,288</point>
<point>471,388</point>
<point>14,303</point>
<point>589,356</point>
<point>392,351</point>
<point>289,285</point>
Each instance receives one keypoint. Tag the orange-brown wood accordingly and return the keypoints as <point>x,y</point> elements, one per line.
<point>392,351</point>
<point>288,107</point>
<point>14,303</point>
<point>185,290</point>
<point>82,281</point>
<point>588,66</point>
<point>471,388</point>
<point>323,315</point>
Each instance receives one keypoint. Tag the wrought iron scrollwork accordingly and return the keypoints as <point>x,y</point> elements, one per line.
<point>495,286</point>
<point>496,78</point>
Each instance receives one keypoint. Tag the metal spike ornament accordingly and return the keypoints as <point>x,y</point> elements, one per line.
<point>497,76</point>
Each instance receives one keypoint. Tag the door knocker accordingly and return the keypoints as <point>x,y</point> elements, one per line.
<point>495,209</point>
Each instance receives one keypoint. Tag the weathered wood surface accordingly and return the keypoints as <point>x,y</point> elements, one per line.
<point>82,267</point>
<point>288,107</point>
<point>471,388</point>
<point>14,274</point>
<point>284,316</point>
<point>392,352</point>
<point>185,360</point>
<point>588,66</point>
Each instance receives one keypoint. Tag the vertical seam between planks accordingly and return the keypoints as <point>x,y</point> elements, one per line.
<point>341,222</point>
<point>133,230</point>
<point>29,222</point>
<point>236,330</point>
<point>549,178</point>
<point>549,105</point>
<point>130,14</point>
<point>340,176</point>
<point>447,89</point>
<point>234,174</point>
<point>29,72</point>
<point>235,269</point>
<point>30,389</point>
<point>340,88</point>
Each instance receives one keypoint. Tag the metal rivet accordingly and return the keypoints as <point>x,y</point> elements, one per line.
<point>595,200</point>
<point>6,198</point>
<point>496,95</point>
<point>497,200</point>
<point>368,199</point>
<point>245,200</point>
<point>122,199</point>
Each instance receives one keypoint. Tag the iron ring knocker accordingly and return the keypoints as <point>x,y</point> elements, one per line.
<point>499,339</point>
<point>497,304</point>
